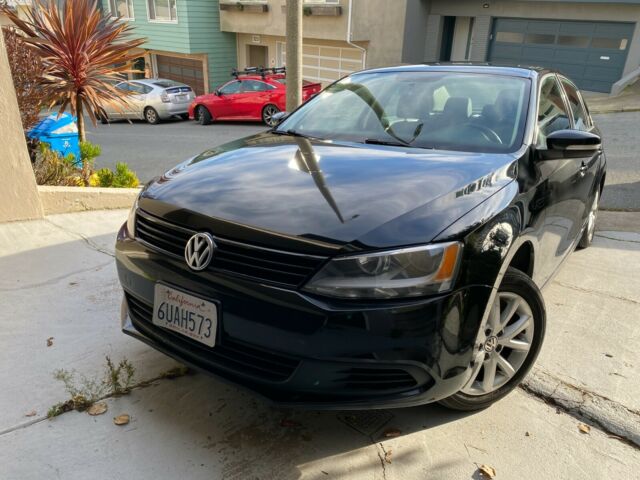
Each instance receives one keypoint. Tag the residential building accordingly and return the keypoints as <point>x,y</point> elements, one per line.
<point>595,42</point>
<point>184,41</point>
<point>339,36</point>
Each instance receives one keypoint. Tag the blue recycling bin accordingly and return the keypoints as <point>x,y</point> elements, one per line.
<point>61,133</point>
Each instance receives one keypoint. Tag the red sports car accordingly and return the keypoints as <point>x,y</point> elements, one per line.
<point>255,94</point>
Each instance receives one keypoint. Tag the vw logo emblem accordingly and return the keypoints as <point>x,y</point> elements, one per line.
<point>199,251</point>
<point>490,344</point>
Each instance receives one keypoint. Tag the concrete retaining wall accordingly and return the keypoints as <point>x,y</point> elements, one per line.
<point>78,199</point>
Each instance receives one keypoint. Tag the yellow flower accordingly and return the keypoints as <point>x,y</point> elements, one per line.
<point>94,181</point>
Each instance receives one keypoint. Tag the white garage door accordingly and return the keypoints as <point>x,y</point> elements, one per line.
<point>321,63</point>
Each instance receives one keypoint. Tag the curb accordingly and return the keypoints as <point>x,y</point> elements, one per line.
<point>610,416</point>
<point>79,199</point>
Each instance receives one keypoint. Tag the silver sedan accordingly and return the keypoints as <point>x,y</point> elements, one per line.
<point>151,99</point>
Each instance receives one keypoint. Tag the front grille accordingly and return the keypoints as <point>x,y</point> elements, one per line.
<point>260,263</point>
<point>377,379</point>
<point>230,355</point>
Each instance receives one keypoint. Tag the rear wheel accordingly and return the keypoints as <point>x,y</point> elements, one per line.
<point>590,228</point>
<point>507,346</point>
<point>203,116</point>
<point>267,114</point>
<point>151,116</point>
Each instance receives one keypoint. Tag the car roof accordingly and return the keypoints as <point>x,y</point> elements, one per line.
<point>153,82</point>
<point>276,76</point>
<point>514,70</point>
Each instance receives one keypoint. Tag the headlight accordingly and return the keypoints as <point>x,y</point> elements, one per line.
<point>131,220</point>
<point>407,272</point>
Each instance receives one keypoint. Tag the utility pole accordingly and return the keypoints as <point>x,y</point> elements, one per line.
<point>294,54</point>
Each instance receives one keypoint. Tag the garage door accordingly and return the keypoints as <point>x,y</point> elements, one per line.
<point>325,64</point>
<point>592,54</point>
<point>185,70</point>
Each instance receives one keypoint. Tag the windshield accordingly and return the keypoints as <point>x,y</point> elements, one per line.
<point>442,110</point>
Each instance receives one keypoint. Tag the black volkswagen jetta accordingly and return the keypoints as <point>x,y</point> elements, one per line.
<point>383,246</point>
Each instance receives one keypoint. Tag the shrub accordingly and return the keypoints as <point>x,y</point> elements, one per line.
<point>51,168</point>
<point>122,177</point>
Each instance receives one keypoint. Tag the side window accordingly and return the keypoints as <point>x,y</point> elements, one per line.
<point>580,117</point>
<point>552,113</point>
<point>231,87</point>
<point>255,86</point>
<point>124,86</point>
<point>137,88</point>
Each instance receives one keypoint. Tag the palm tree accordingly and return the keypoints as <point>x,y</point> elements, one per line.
<point>84,53</point>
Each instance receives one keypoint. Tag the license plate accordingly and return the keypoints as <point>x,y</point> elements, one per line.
<point>181,98</point>
<point>186,314</point>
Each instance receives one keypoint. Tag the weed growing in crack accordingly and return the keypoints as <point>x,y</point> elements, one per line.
<point>85,391</point>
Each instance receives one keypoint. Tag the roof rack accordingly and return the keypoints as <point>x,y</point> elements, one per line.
<point>258,71</point>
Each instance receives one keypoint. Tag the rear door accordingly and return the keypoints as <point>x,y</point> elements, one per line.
<point>255,95</point>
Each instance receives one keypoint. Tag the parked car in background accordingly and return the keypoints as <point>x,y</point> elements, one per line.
<point>384,245</point>
<point>255,94</point>
<point>151,99</point>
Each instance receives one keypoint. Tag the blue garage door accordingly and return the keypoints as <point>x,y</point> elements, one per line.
<point>592,54</point>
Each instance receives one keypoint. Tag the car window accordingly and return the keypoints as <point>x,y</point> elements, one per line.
<point>138,88</point>
<point>231,87</point>
<point>443,110</point>
<point>255,86</point>
<point>124,86</point>
<point>580,117</point>
<point>552,113</point>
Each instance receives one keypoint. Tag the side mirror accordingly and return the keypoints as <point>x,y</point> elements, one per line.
<point>278,118</point>
<point>217,93</point>
<point>571,144</point>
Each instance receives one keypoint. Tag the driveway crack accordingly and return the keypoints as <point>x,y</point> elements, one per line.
<point>596,292</point>
<point>91,244</point>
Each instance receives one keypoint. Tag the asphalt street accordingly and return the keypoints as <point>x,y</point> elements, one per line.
<point>151,150</point>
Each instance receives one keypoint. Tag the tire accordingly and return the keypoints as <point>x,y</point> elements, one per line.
<point>184,116</point>
<point>267,113</point>
<point>104,120</point>
<point>474,396</point>
<point>203,116</point>
<point>587,234</point>
<point>151,116</point>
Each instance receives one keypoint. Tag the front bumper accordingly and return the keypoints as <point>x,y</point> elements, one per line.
<point>299,350</point>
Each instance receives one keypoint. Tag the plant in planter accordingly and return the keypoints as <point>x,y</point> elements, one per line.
<point>79,47</point>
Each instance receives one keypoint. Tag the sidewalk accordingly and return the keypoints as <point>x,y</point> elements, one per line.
<point>627,101</point>
<point>60,282</point>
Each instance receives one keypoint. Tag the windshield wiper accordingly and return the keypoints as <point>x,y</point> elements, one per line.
<point>291,132</point>
<point>391,143</point>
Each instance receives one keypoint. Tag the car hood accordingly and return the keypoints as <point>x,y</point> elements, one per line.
<point>326,193</point>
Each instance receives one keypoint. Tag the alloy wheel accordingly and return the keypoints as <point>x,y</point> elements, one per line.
<point>268,113</point>
<point>152,116</point>
<point>504,344</point>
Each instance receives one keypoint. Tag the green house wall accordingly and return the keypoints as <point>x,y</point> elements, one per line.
<point>196,31</point>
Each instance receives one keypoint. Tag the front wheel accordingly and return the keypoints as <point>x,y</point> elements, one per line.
<point>203,116</point>
<point>151,116</point>
<point>507,346</point>
<point>267,115</point>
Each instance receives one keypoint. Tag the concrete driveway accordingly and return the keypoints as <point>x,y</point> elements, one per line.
<point>59,284</point>
<point>153,149</point>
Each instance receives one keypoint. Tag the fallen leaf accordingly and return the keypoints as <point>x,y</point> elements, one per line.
<point>391,433</point>
<point>285,422</point>
<point>97,409</point>
<point>121,419</point>
<point>608,355</point>
<point>32,413</point>
<point>584,428</point>
<point>487,471</point>
<point>49,341</point>
<point>387,456</point>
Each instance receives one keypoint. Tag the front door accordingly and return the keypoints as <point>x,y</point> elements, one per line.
<point>564,183</point>
<point>226,105</point>
<point>257,56</point>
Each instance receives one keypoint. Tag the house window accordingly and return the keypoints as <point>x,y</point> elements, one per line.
<point>121,9</point>
<point>163,10</point>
